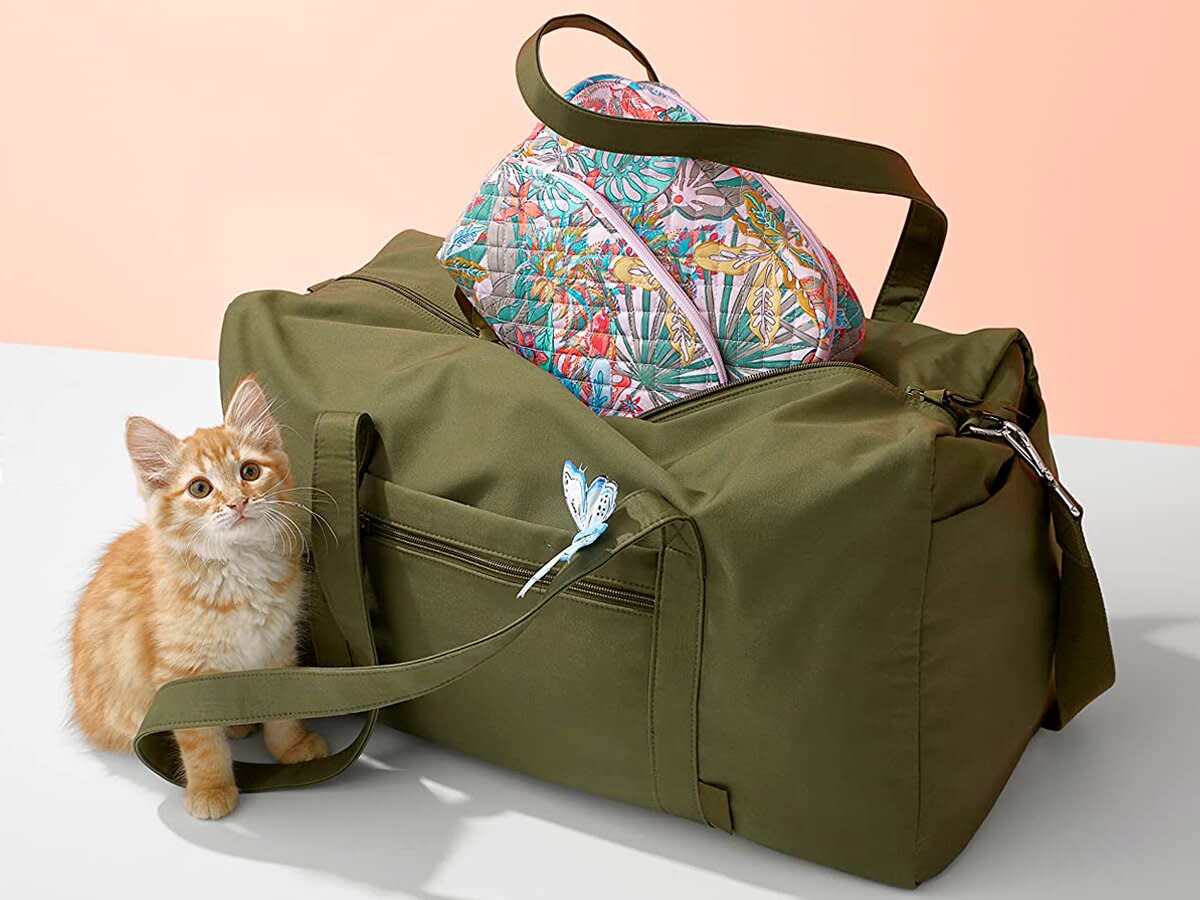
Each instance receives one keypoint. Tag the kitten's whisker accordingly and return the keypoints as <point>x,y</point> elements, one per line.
<point>313,490</point>
<point>304,487</point>
<point>293,539</point>
<point>286,523</point>
<point>317,490</point>
<point>275,535</point>
<point>316,516</point>
<point>281,490</point>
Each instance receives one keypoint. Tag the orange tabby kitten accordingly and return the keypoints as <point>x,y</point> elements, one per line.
<point>210,583</point>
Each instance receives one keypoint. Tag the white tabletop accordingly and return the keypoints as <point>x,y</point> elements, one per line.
<point>1108,808</point>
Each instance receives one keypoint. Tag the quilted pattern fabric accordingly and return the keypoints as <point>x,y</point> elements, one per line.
<point>639,280</point>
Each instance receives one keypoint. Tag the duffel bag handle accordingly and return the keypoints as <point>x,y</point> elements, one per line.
<point>780,152</point>
<point>341,441</point>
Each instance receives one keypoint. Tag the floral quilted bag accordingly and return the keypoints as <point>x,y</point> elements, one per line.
<point>640,280</point>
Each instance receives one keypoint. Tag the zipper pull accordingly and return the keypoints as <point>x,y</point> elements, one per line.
<point>995,428</point>
<point>962,406</point>
<point>979,421</point>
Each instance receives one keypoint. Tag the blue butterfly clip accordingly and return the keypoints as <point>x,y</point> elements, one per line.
<point>590,506</point>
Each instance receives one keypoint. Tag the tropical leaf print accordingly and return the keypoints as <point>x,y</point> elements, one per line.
<point>762,218</point>
<point>570,290</point>
<point>529,346</point>
<point>552,269</point>
<point>796,269</point>
<point>645,353</point>
<point>850,325</point>
<point>518,205</point>
<point>461,238</point>
<point>764,305</point>
<point>613,96</point>
<point>464,271</point>
<point>554,196</point>
<point>622,178</point>
<point>631,270</point>
<point>715,256</point>
<point>681,333</point>
<point>693,195</point>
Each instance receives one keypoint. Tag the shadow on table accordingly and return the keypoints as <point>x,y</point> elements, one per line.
<point>1108,808</point>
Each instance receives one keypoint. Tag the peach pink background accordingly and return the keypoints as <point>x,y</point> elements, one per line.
<point>159,158</point>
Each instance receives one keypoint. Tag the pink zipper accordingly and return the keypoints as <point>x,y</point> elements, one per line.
<point>684,303</point>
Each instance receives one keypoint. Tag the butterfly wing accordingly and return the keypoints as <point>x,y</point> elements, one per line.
<point>601,498</point>
<point>575,491</point>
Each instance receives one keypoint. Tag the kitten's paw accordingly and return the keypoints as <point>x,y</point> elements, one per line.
<point>211,803</point>
<point>237,732</point>
<point>311,746</point>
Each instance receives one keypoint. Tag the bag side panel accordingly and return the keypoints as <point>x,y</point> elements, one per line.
<point>986,646</point>
<point>816,531</point>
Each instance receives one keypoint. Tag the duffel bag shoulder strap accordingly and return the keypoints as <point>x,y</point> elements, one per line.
<point>794,155</point>
<point>341,441</point>
<point>1083,657</point>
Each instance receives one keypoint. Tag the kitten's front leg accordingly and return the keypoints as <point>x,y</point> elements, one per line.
<point>287,739</point>
<point>290,742</point>
<point>211,792</point>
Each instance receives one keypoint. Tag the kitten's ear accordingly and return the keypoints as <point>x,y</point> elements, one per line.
<point>249,412</point>
<point>152,448</point>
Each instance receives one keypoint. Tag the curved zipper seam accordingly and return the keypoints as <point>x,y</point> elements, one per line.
<point>609,213</point>
<point>826,265</point>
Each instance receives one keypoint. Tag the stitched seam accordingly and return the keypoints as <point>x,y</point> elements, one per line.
<point>694,689</point>
<point>920,661</point>
<point>363,624</point>
<point>658,605</point>
<point>359,442</point>
<point>317,468</point>
<point>321,712</point>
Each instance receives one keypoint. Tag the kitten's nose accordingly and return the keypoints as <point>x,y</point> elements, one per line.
<point>239,505</point>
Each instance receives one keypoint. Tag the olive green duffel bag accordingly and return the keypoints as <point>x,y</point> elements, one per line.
<point>829,612</point>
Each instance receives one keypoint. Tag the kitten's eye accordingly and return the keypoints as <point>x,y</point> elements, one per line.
<point>200,488</point>
<point>250,471</point>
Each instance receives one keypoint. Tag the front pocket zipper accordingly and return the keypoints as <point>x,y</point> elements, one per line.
<point>418,300</point>
<point>502,569</point>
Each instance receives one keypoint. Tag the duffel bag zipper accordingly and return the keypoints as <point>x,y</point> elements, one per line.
<point>514,573</point>
<point>975,419</point>
<point>796,369</point>
<point>417,299</point>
